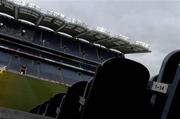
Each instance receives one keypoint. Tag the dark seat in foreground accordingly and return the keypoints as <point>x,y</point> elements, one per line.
<point>119,91</point>
<point>70,106</point>
<point>49,107</point>
<point>54,104</point>
<point>166,98</point>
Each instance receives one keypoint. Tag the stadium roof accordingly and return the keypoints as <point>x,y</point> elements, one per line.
<point>58,23</point>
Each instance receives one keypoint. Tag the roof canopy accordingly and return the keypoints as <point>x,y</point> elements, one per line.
<point>75,28</point>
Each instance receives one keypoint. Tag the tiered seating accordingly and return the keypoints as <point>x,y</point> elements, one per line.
<point>89,52</point>
<point>5,58</point>
<point>104,55</point>
<point>16,29</point>
<point>70,46</point>
<point>48,39</point>
<point>15,63</point>
<point>80,59</point>
<point>54,105</point>
<point>95,93</point>
<point>37,37</point>
<point>27,33</point>
<point>49,72</point>
<point>121,89</point>
<point>63,106</point>
<point>70,77</point>
<point>41,69</point>
<point>33,68</point>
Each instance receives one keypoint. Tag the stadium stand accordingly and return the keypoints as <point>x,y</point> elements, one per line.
<point>89,52</point>
<point>50,47</point>
<point>70,46</point>
<point>5,58</point>
<point>49,72</point>
<point>25,32</point>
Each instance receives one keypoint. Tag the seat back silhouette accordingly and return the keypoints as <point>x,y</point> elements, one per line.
<point>166,100</point>
<point>54,104</point>
<point>35,110</point>
<point>43,108</point>
<point>70,107</point>
<point>118,91</point>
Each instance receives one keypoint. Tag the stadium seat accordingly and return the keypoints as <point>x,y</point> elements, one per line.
<point>89,52</point>
<point>43,108</point>
<point>54,104</point>
<point>119,91</point>
<point>35,110</point>
<point>70,107</point>
<point>167,88</point>
<point>49,108</point>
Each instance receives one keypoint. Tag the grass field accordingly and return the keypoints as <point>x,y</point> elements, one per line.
<point>23,93</point>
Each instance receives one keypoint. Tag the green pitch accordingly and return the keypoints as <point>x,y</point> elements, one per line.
<point>24,93</point>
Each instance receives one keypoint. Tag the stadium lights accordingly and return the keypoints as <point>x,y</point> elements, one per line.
<point>142,44</point>
<point>123,37</point>
<point>61,15</point>
<point>76,21</point>
<point>18,2</point>
<point>73,20</point>
<point>26,4</point>
<point>55,14</point>
<point>98,30</point>
<point>50,13</point>
<point>30,5</point>
<point>120,36</point>
<point>101,29</point>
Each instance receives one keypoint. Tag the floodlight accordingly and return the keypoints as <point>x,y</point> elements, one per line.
<point>101,29</point>
<point>142,44</point>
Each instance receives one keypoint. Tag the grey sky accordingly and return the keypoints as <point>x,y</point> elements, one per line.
<point>156,22</point>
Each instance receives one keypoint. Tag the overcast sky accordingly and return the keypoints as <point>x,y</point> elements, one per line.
<point>156,22</point>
